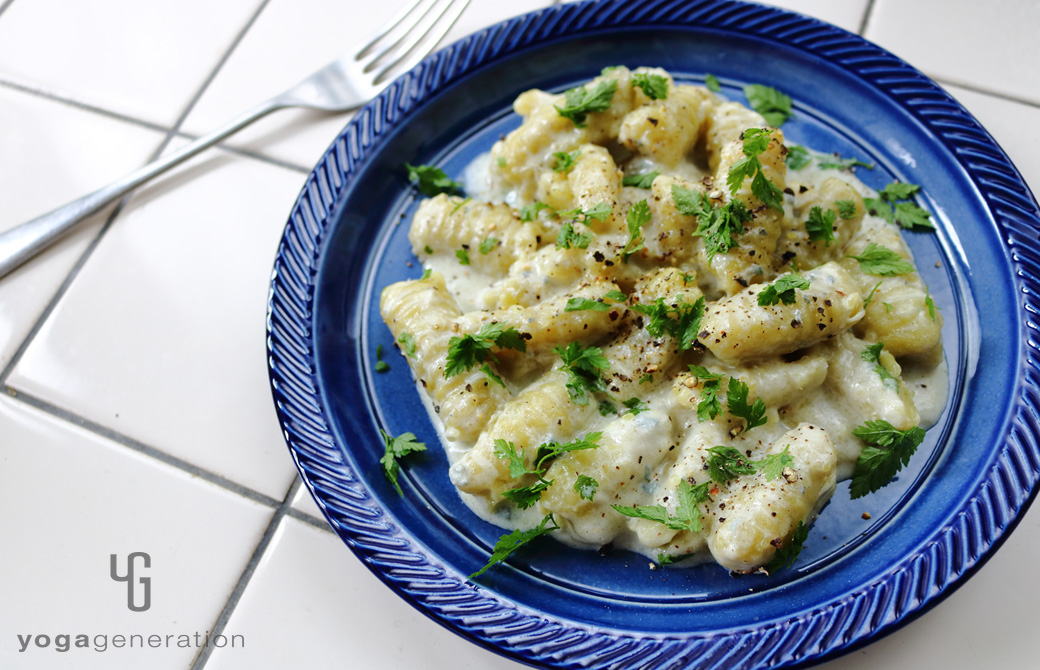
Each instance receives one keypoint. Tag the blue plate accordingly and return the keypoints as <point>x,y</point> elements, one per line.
<point>857,578</point>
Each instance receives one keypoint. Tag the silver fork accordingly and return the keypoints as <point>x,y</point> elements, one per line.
<point>343,84</point>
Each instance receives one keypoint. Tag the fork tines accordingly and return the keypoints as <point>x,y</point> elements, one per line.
<point>421,23</point>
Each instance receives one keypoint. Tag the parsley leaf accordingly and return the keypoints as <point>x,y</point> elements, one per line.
<point>872,354</point>
<point>882,261</point>
<point>606,408</point>
<point>654,86</point>
<point>712,82</point>
<point>840,163</point>
<point>469,350</point>
<point>669,559</point>
<point>638,216</point>
<point>463,256</point>
<point>616,296</point>
<point>726,463</point>
<point>717,226</point>
<point>782,290</point>
<point>600,212</point>
<point>737,404</point>
<point>909,215</point>
<point>568,238</point>
<point>687,514</point>
<point>407,343</point>
<point>684,326</point>
<point>509,543</point>
<point>580,304</point>
<point>878,207</point>
<point>579,102</point>
<point>906,214</point>
<point>642,180</point>
<point>772,465</point>
<point>846,208</point>
<point>585,487</point>
<point>564,161</point>
<point>899,191</point>
<point>524,497</point>
<point>930,304</point>
<point>820,225</point>
<point>797,157</point>
<point>774,106</point>
<point>549,451</point>
<point>786,556</point>
<point>431,180</point>
<point>529,213</point>
<point>583,366</point>
<point>710,405</point>
<point>395,448</point>
<point>887,452</point>
<point>381,365</point>
<point>635,406</point>
<point>515,456</point>
<point>487,245</point>
<point>870,296</point>
<point>756,141</point>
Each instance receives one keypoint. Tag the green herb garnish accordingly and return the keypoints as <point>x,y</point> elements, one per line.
<point>888,450</point>
<point>579,102</point>
<point>395,448</point>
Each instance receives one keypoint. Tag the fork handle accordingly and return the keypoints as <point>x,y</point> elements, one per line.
<point>25,240</point>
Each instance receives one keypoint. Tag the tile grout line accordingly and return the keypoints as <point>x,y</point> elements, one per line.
<point>142,448</point>
<point>247,574</point>
<point>142,123</point>
<point>85,256</point>
<point>84,106</point>
<point>304,517</point>
<point>865,21</point>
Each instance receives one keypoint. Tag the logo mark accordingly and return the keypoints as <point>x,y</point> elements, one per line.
<point>131,586</point>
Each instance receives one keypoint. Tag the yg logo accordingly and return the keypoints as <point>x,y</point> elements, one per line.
<point>146,582</point>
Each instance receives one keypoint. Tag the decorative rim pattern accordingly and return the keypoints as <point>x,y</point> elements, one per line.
<point>914,586</point>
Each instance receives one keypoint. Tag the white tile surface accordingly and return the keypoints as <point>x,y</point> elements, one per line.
<point>989,622</point>
<point>311,603</point>
<point>1014,125</point>
<point>58,153</point>
<point>143,59</point>
<point>70,500</point>
<point>988,44</point>
<point>304,502</point>
<point>161,337</point>
<point>285,45</point>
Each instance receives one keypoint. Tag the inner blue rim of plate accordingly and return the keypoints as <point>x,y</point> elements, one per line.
<point>857,580</point>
